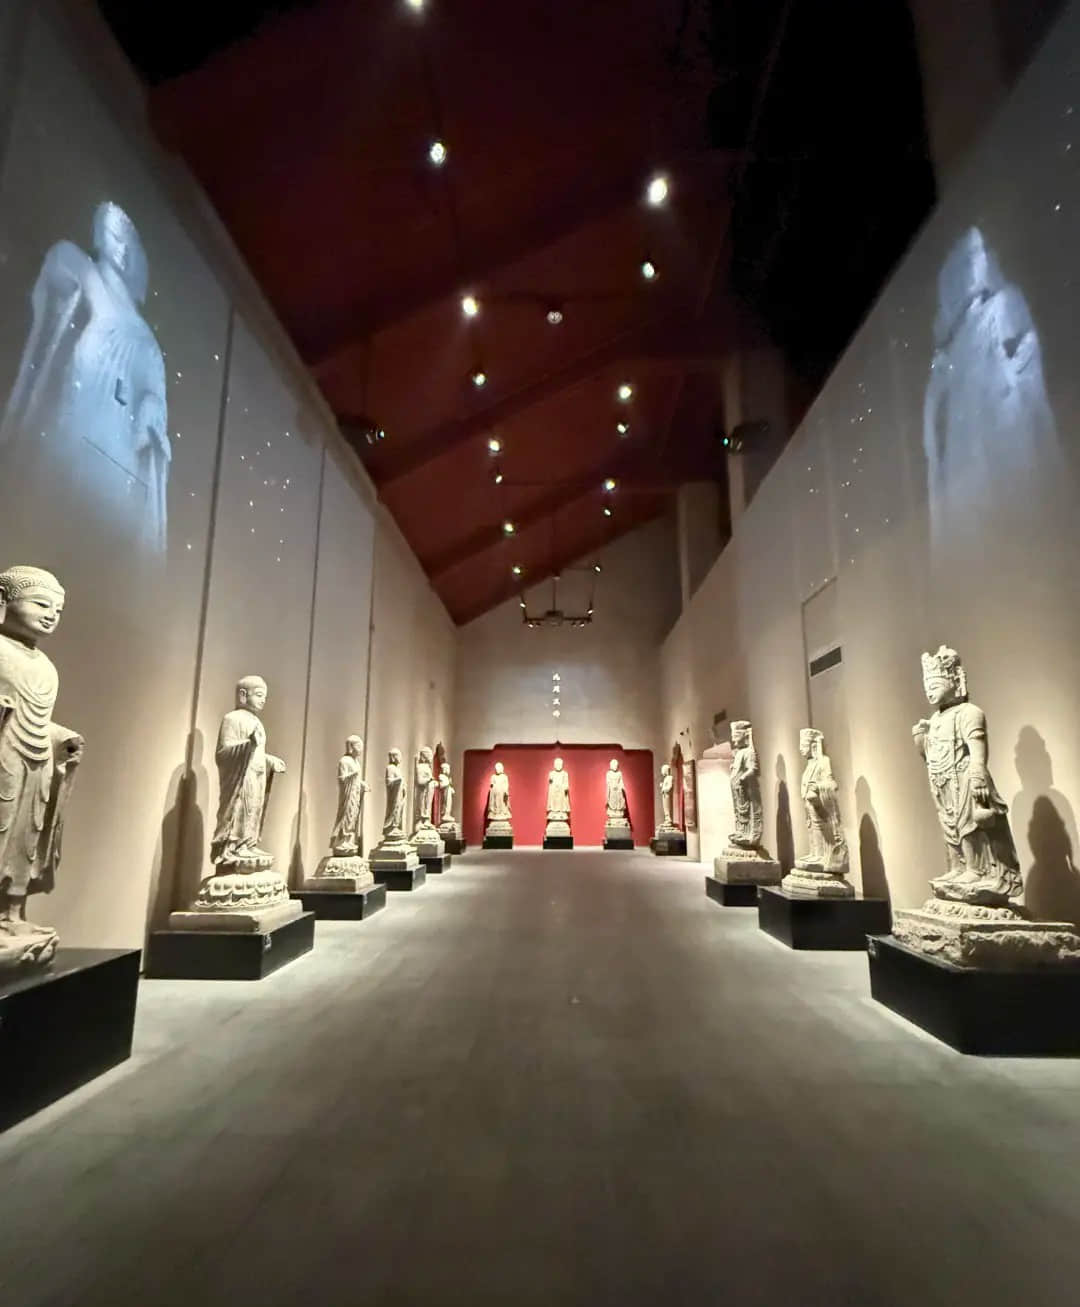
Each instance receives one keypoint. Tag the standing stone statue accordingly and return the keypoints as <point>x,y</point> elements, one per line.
<point>345,870</point>
<point>667,793</point>
<point>425,838</point>
<point>558,805</point>
<point>447,821</point>
<point>498,828</point>
<point>394,853</point>
<point>974,917</point>
<point>745,861</point>
<point>821,872</point>
<point>243,889</point>
<point>38,760</point>
<point>617,832</point>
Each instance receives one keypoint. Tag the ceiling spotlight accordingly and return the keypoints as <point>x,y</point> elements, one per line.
<point>625,391</point>
<point>657,190</point>
<point>521,604</point>
<point>623,428</point>
<point>508,528</point>
<point>416,5</point>
<point>516,569</point>
<point>554,315</point>
<point>498,478</point>
<point>495,445</point>
<point>609,485</point>
<point>596,567</point>
<point>649,270</point>
<point>437,153</point>
<point>478,377</point>
<point>607,510</point>
<point>470,305</point>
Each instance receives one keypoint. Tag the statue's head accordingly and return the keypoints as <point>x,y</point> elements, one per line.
<point>665,769</point>
<point>394,757</point>
<point>558,764</point>
<point>354,746</point>
<point>426,754</point>
<point>740,735</point>
<point>499,769</point>
<point>117,242</point>
<point>251,693</point>
<point>811,743</point>
<point>614,764</point>
<point>943,677</point>
<point>445,769</point>
<point>31,601</point>
<point>970,272</point>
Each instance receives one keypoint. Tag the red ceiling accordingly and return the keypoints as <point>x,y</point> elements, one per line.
<point>311,139</point>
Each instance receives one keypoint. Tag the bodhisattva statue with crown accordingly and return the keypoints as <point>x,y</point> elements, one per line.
<point>38,760</point>
<point>745,860</point>
<point>822,871</point>
<point>975,917</point>
<point>243,893</point>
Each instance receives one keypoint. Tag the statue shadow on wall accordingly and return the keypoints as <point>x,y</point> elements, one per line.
<point>296,857</point>
<point>875,884</point>
<point>1045,817</point>
<point>181,851</point>
<point>785,837</point>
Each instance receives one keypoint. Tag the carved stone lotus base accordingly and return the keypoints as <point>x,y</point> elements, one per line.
<point>427,842</point>
<point>25,944</point>
<point>341,875</point>
<point>449,830</point>
<point>556,828</point>
<point>817,883</point>
<point>393,855</point>
<point>238,921</point>
<point>235,889</point>
<point>989,938</point>
<point>500,826</point>
<point>738,866</point>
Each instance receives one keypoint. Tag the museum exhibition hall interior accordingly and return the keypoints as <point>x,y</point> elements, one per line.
<point>539,652</point>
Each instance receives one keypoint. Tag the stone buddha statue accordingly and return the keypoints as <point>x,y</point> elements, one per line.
<point>38,761</point>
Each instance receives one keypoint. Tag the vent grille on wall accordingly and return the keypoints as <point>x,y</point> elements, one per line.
<point>830,658</point>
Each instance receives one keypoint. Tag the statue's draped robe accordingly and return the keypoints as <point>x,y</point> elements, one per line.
<point>346,833</point>
<point>425,793</point>
<point>245,782</point>
<point>616,796</point>
<point>35,778</point>
<point>395,802</point>
<point>746,795</point>
<point>977,838</point>
<point>828,847</point>
<point>88,410</point>
<point>446,799</point>
<point>558,795</point>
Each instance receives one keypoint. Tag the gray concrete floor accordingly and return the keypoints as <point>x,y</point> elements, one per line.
<point>552,1079</point>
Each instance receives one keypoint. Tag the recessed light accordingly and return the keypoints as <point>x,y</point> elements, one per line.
<point>596,567</point>
<point>437,153</point>
<point>607,510</point>
<point>609,484</point>
<point>516,569</point>
<point>498,478</point>
<point>657,191</point>
<point>649,270</point>
<point>470,305</point>
<point>416,5</point>
<point>478,377</point>
<point>623,428</point>
<point>508,528</point>
<point>495,445</point>
<point>625,391</point>
<point>554,316</point>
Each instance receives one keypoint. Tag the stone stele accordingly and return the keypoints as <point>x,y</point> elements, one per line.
<point>244,894</point>
<point>616,815</point>
<point>499,819</point>
<point>975,918</point>
<point>558,802</point>
<point>345,870</point>
<point>745,861</point>
<point>394,852</point>
<point>822,872</point>
<point>38,762</point>
<point>426,839</point>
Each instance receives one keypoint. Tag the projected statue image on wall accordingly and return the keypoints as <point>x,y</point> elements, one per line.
<point>988,430</point>
<point>90,391</point>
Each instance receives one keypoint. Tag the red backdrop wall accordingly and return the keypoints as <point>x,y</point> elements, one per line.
<point>528,765</point>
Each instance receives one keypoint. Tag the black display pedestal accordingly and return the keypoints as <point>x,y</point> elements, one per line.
<point>804,922</point>
<point>331,905</point>
<point>738,895</point>
<point>1019,1013</point>
<point>622,842</point>
<point>667,846</point>
<point>400,878</point>
<point>558,841</point>
<point>64,1024</point>
<point>454,846</point>
<point>435,866</point>
<point>228,955</point>
<point>498,842</point>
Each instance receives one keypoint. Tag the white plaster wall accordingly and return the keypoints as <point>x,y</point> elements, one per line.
<point>610,670</point>
<point>985,563</point>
